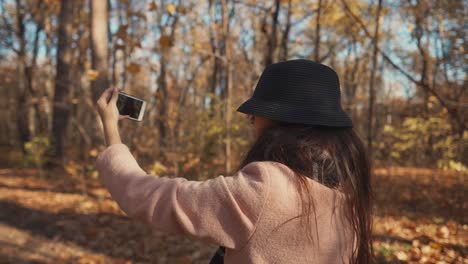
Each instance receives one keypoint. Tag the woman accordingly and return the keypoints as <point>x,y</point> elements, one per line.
<point>302,194</point>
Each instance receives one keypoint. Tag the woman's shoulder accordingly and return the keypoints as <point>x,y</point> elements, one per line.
<point>283,176</point>
<point>275,173</point>
<point>273,169</point>
<point>266,166</point>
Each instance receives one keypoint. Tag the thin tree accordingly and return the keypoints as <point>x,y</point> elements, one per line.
<point>214,43</point>
<point>99,47</point>
<point>166,43</point>
<point>62,79</point>
<point>370,113</point>
<point>271,41</point>
<point>285,38</point>
<point>22,113</point>
<point>317,32</point>
<point>228,84</point>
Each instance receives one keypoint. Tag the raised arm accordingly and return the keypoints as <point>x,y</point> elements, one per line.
<point>222,210</point>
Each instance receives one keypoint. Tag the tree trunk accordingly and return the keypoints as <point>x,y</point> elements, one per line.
<point>228,83</point>
<point>99,49</point>
<point>317,32</point>
<point>22,113</point>
<point>40,115</point>
<point>372,80</point>
<point>213,44</point>
<point>163,90</point>
<point>163,101</point>
<point>285,40</point>
<point>62,80</point>
<point>271,42</point>
<point>99,58</point>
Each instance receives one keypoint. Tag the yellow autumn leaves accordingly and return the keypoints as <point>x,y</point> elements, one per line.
<point>132,68</point>
<point>92,74</point>
<point>164,40</point>
<point>171,8</point>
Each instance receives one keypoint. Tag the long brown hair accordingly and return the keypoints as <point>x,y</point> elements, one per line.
<point>336,158</point>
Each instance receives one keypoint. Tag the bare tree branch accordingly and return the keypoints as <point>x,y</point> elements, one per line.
<point>442,101</point>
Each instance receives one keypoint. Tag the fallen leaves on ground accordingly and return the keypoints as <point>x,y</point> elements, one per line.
<point>420,216</point>
<point>43,222</point>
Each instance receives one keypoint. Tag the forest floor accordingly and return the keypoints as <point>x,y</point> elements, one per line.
<point>420,218</point>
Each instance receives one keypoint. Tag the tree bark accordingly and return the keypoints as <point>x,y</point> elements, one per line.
<point>214,45</point>
<point>285,40</point>
<point>372,80</point>
<point>317,32</point>
<point>271,42</point>
<point>228,83</point>
<point>62,80</point>
<point>163,89</point>
<point>22,113</point>
<point>99,47</point>
<point>99,58</point>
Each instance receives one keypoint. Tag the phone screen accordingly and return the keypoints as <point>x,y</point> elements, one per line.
<point>129,106</point>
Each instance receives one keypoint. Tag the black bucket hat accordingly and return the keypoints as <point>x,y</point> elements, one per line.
<point>298,91</point>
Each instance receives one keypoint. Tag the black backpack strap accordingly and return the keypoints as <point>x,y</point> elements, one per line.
<point>218,257</point>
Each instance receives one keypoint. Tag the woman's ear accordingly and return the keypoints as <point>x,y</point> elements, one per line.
<point>261,123</point>
<point>251,118</point>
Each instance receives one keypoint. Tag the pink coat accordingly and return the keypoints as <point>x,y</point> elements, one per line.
<point>253,213</point>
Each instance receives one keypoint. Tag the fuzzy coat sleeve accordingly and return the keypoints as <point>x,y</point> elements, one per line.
<point>222,210</point>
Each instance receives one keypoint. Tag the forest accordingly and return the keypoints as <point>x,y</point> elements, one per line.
<point>403,75</point>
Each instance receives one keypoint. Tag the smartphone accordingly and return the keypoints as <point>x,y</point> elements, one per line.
<point>132,106</point>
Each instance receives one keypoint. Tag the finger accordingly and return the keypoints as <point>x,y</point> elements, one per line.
<point>104,98</point>
<point>115,95</point>
<point>122,117</point>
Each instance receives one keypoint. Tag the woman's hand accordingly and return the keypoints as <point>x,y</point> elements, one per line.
<point>107,107</point>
